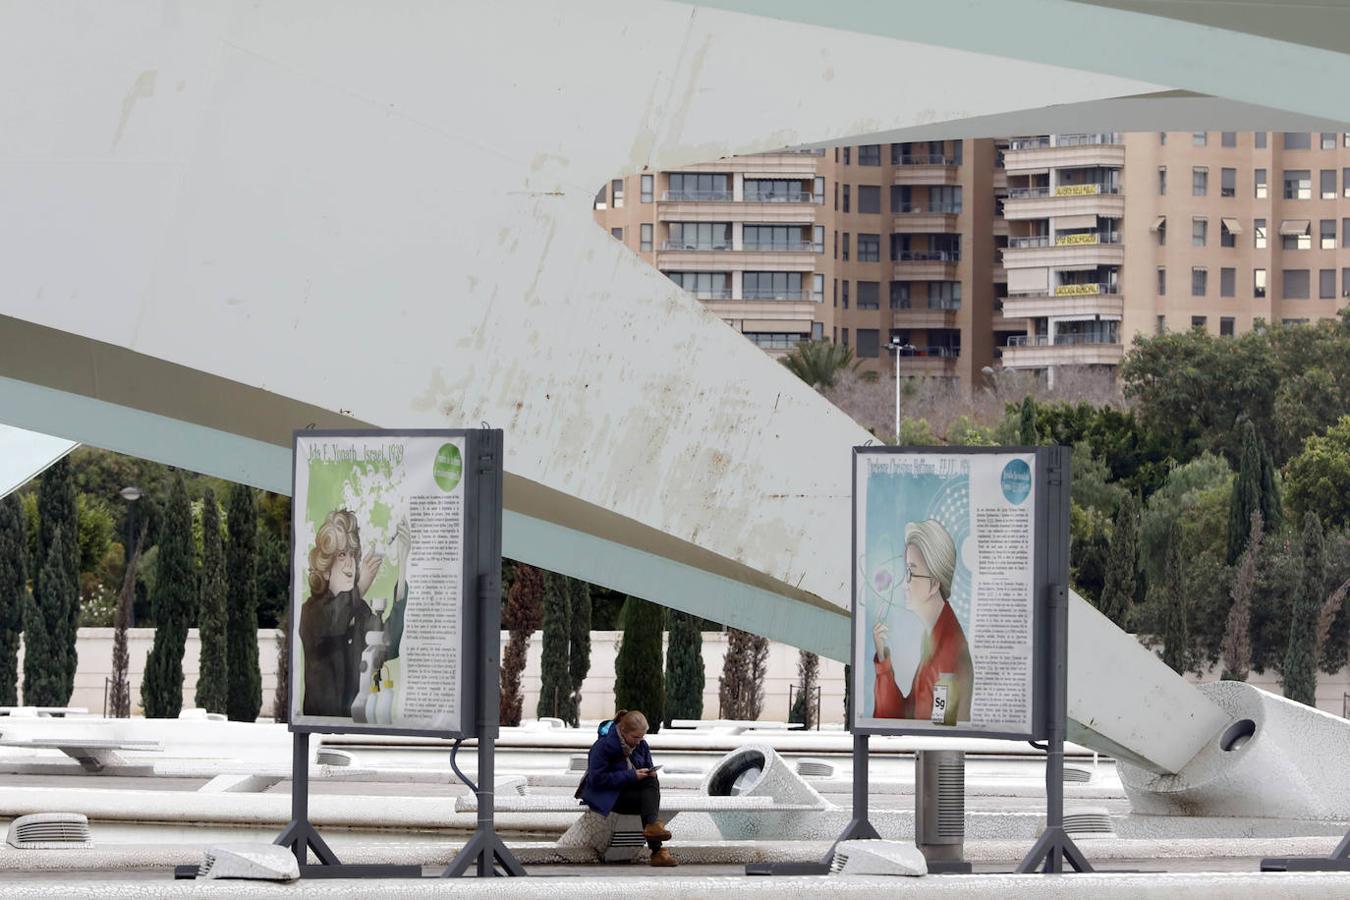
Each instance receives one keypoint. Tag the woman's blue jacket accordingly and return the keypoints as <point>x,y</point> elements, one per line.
<point>607,770</point>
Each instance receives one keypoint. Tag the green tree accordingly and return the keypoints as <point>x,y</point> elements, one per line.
<point>1318,478</point>
<point>44,629</point>
<point>915,433</point>
<point>244,697</point>
<point>1027,424</point>
<point>1121,582</point>
<point>579,646</point>
<point>555,689</point>
<point>1237,640</point>
<point>13,595</point>
<point>213,673</point>
<point>522,614</point>
<point>175,605</point>
<point>1246,492</point>
<point>804,703</point>
<point>735,689</point>
<point>684,668</point>
<point>639,670</point>
<point>1300,660</point>
<point>1171,594</point>
<point>819,363</point>
<point>57,510</point>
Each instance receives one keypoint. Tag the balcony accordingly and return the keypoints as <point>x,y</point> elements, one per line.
<point>779,164</point>
<point>767,314</point>
<point>1064,200</point>
<point>787,256</point>
<point>1037,351</point>
<point>925,168</point>
<point>920,265</point>
<point>1081,251</point>
<point>921,220</point>
<point>1076,300</point>
<point>924,316</point>
<point>930,362</point>
<point>1069,151</point>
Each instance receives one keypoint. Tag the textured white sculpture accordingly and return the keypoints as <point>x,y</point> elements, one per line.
<point>877,858</point>
<point>255,862</point>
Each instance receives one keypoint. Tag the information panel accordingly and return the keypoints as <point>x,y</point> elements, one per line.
<point>384,582</point>
<point>949,575</point>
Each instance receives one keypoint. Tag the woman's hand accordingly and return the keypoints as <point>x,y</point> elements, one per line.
<point>644,773</point>
<point>879,632</point>
<point>370,567</point>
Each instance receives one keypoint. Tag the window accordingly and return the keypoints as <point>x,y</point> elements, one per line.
<point>944,295</point>
<point>1326,284</point>
<point>616,191</point>
<point>1297,140</point>
<point>602,198</point>
<point>1199,138</point>
<point>836,196</point>
<point>1259,234</point>
<point>1162,181</point>
<point>704,285</point>
<point>1228,182</point>
<point>1161,231</point>
<point>834,294</point>
<point>1345,282</point>
<point>1199,232</point>
<point>1226,326</point>
<point>1162,325</point>
<point>645,237</point>
<point>1345,232</point>
<point>616,233</point>
<point>1228,282</point>
<point>771,285</point>
<point>776,190</point>
<point>1297,184</point>
<point>1259,140</point>
<point>647,186</point>
<point>817,331</point>
<point>818,190</point>
<point>847,151</point>
<point>818,238</point>
<point>1295,235</point>
<point>1199,181</point>
<point>847,194</point>
<point>1228,138</point>
<point>700,236</point>
<point>1327,234</point>
<point>1162,281</point>
<point>1328,140</point>
<point>843,332</point>
<point>844,296</point>
<point>869,155</point>
<point>899,295</point>
<point>1260,181</point>
<point>869,248</point>
<point>699,186</point>
<point>1327,180</point>
<point>1345,182</point>
<point>1162,139</point>
<point>836,245</point>
<point>1258,282</point>
<point>774,237</point>
<point>1294,284</point>
<point>1199,322</point>
<point>845,257</point>
<point>869,198</point>
<point>869,339</point>
<point>1199,281</point>
<point>944,199</point>
<point>869,297</point>
<point>818,288</point>
<point>1227,238</point>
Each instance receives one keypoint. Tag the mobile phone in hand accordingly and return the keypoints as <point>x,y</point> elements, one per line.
<point>655,769</point>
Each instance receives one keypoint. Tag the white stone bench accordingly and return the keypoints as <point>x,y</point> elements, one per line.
<point>92,755</point>
<point>618,837</point>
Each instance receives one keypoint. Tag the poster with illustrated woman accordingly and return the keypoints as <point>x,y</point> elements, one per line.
<point>943,591</point>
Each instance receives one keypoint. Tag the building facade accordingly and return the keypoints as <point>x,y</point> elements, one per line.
<point>1035,252</point>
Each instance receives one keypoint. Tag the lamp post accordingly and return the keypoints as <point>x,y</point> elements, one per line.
<point>896,347</point>
<point>131,494</point>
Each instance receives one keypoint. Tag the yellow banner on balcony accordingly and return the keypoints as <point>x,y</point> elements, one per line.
<point>1076,240</point>
<point>1076,190</point>
<point>1077,290</point>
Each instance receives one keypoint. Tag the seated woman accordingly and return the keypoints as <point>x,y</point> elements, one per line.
<point>619,778</point>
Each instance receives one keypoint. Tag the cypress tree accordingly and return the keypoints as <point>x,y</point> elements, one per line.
<point>684,668</point>
<point>734,692</point>
<point>1027,425</point>
<point>213,672</point>
<point>555,676</point>
<point>1272,505</point>
<point>639,679</point>
<point>1122,563</point>
<point>521,615</point>
<point>61,602</point>
<point>579,646</point>
<point>1237,638</point>
<point>244,696</point>
<point>174,604</point>
<point>1300,660</point>
<point>13,595</point>
<point>804,705</point>
<point>1176,633</point>
<point>759,668</point>
<point>44,630</point>
<point>1247,490</point>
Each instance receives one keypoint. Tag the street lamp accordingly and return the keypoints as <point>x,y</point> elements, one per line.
<point>131,494</point>
<point>897,347</point>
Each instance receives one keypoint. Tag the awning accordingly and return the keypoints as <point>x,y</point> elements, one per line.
<point>1295,226</point>
<point>1064,223</point>
<point>1158,224</point>
<point>1233,226</point>
<point>1028,281</point>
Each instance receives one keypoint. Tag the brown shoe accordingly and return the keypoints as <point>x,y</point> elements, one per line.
<point>663,860</point>
<point>655,832</point>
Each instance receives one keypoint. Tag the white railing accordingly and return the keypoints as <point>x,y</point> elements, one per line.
<point>681,245</point>
<point>697,196</point>
<point>927,256</point>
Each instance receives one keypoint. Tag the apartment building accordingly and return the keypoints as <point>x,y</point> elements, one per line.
<point>1035,252</point>
<point>862,245</point>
